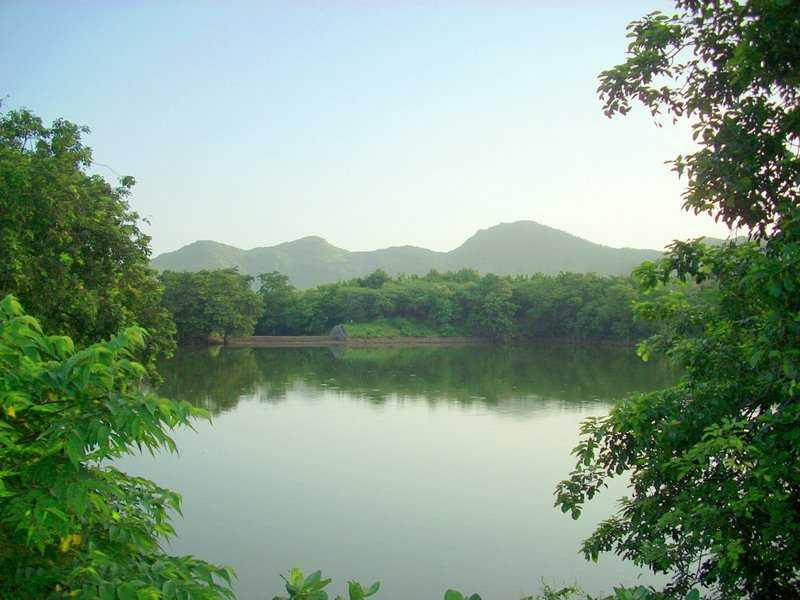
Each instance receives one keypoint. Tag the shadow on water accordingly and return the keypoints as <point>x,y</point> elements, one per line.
<point>493,377</point>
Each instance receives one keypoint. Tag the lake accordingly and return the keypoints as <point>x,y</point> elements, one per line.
<point>424,468</point>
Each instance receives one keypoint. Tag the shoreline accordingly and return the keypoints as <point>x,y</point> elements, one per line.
<point>267,341</point>
<point>321,341</point>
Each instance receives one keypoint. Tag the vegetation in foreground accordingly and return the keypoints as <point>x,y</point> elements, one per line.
<point>312,587</point>
<point>713,462</point>
<point>72,525</point>
<point>71,247</point>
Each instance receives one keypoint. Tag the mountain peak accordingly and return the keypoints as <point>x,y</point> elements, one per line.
<point>522,226</point>
<point>309,240</point>
<point>208,244</point>
<point>518,247</point>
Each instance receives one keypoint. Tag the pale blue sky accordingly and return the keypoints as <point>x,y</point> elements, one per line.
<point>370,123</point>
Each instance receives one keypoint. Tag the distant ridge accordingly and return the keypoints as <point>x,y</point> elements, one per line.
<point>520,248</point>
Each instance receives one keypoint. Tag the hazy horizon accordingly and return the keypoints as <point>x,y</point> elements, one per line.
<point>370,124</point>
<point>446,250</point>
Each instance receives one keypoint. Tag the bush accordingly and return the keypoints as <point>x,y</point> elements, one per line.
<point>300,587</point>
<point>72,525</point>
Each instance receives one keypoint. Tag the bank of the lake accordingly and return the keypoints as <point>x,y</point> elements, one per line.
<point>424,467</point>
<point>321,341</point>
<point>264,341</point>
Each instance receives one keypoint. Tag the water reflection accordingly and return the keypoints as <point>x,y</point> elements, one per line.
<point>501,378</point>
<point>426,468</point>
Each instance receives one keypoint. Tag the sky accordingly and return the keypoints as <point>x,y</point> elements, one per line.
<point>369,123</point>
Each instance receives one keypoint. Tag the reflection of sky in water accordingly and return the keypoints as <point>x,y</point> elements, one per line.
<point>307,464</point>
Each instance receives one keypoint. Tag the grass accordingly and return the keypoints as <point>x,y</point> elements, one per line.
<point>397,327</point>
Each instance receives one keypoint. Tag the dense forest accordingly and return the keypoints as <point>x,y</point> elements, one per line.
<point>568,306</point>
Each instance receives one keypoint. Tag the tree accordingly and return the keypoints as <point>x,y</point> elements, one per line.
<point>735,68</point>
<point>491,310</point>
<point>70,247</point>
<point>567,306</point>
<point>72,525</point>
<point>220,302</point>
<point>713,462</point>
<point>278,297</point>
<point>376,279</point>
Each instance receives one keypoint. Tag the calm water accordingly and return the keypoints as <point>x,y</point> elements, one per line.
<point>426,468</point>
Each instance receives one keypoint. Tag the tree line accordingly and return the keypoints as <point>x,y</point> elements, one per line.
<point>568,306</point>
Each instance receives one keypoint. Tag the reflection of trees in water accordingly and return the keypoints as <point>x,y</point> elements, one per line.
<point>489,375</point>
<point>212,378</point>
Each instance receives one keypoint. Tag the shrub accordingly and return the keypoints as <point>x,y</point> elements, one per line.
<point>72,525</point>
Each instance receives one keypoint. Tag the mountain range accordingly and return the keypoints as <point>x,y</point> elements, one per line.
<point>523,247</point>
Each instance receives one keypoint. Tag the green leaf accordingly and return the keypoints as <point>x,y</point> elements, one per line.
<point>775,288</point>
<point>126,591</point>
<point>373,589</point>
<point>354,590</point>
<point>169,590</point>
<point>107,592</point>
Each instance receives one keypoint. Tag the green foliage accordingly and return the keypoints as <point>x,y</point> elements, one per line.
<point>550,593</point>
<point>455,595</point>
<point>463,303</point>
<point>312,587</point>
<point>643,593</point>
<point>278,297</point>
<point>734,69</point>
<point>71,248</point>
<point>490,308</point>
<point>205,303</point>
<point>712,462</point>
<point>375,280</point>
<point>398,327</point>
<point>300,587</point>
<point>71,524</point>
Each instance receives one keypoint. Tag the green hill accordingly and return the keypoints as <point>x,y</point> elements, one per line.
<point>526,247</point>
<point>202,254</point>
<point>523,247</point>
